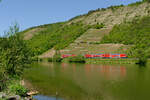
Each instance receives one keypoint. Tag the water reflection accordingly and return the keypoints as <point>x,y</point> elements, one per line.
<point>106,70</point>
<point>90,81</point>
<point>109,71</point>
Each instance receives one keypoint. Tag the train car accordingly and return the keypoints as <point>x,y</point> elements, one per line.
<point>93,55</point>
<point>105,56</point>
<point>123,56</point>
<point>88,56</point>
<point>115,55</point>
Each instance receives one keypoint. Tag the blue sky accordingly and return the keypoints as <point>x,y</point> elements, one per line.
<point>30,13</point>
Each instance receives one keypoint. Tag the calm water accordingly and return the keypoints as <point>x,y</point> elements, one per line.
<point>89,82</point>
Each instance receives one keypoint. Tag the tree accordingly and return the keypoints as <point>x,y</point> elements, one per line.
<point>146,1</point>
<point>13,30</point>
<point>142,57</point>
<point>14,55</point>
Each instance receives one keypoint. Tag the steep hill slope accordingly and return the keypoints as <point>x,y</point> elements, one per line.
<point>114,14</point>
<point>81,34</point>
<point>136,33</point>
<point>55,36</point>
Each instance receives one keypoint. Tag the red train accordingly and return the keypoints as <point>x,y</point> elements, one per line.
<point>99,56</point>
<point>106,56</point>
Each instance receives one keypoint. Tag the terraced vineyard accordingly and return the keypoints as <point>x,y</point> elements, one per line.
<point>88,43</point>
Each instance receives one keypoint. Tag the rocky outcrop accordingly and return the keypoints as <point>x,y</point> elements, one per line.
<point>4,96</point>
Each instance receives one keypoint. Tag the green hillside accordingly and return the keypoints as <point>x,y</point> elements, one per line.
<point>82,34</point>
<point>57,36</point>
<point>136,33</point>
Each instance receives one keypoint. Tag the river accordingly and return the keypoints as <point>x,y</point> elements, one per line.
<point>64,81</point>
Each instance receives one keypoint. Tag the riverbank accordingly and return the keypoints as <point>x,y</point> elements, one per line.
<point>94,61</point>
<point>16,90</point>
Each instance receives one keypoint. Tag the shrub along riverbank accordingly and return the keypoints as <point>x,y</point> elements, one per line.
<point>82,59</point>
<point>94,61</point>
<point>76,59</point>
<point>14,58</point>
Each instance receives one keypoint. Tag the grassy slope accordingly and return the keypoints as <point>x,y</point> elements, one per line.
<point>136,32</point>
<point>67,34</point>
<point>55,36</point>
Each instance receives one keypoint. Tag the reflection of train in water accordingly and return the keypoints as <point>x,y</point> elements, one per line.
<point>98,56</point>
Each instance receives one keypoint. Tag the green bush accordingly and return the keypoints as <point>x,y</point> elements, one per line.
<point>146,1</point>
<point>142,61</point>
<point>77,59</point>
<point>50,59</point>
<point>18,89</point>
<point>3,79</point>
<point>35,59</point>
<point>98,26</point>
<point>14,56</point>
<point>57,57</point>
<point>113,8</point>
<point>40,59</point>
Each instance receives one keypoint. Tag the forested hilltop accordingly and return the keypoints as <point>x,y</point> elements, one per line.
<point>127,26</point>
